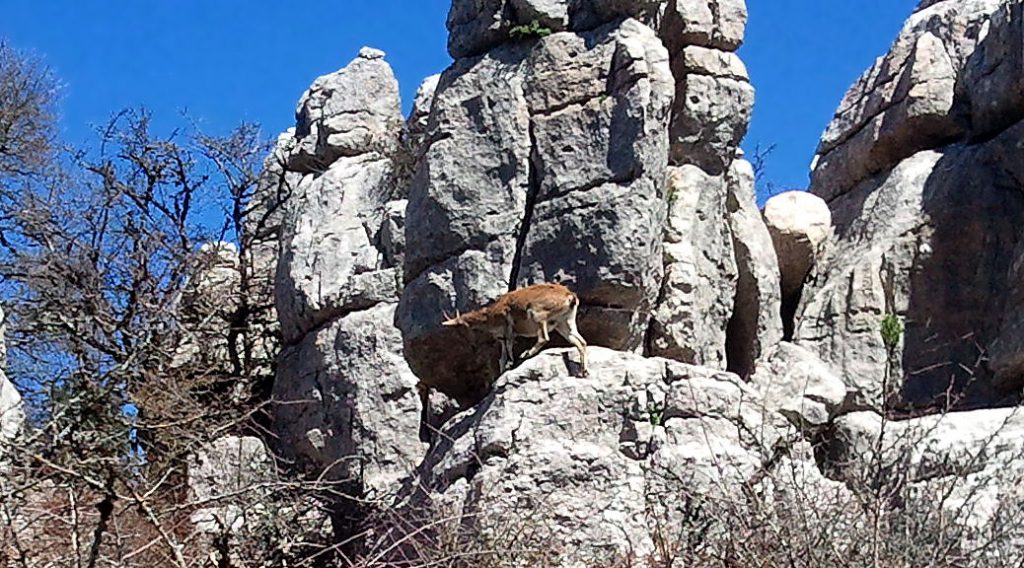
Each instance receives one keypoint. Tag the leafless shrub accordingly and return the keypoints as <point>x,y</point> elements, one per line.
<point>135,352</point>
<point>433,535</point>
<point>889,510</point>
<point>28,92</point>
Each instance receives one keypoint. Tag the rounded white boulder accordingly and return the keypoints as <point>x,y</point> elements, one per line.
<point>799,223</point>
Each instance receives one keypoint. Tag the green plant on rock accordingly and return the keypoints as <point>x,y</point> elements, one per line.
<point>531,30</point>
<point>655,414</point>
<point>671,195</point>
<point>892,331</point>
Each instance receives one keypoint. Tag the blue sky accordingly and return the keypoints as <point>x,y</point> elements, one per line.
<point>228,61</point>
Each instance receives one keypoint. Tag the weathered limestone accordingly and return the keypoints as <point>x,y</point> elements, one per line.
<point>800,225</point>
<point>693,312</point>
<point>348,113</point>
<point>347,406</point>
<point>477,26</point>
<point>546,163</point>
<point>932,242</point>
<point>351,411</point>
<point>594,460</point>
<point>933,236</point>
<point>801,387</point>
<point>969,465</point>
<point>208,307</point>
<point>713,105</point>
<point>231,469</point>
<point>12,415</point>
<point>905,102</point>
<point>756,323</point>
<point>330,263</point>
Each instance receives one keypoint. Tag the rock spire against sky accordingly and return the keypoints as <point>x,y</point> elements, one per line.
<point>224,65</point>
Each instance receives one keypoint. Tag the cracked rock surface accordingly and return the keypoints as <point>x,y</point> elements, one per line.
<point>598,156</point>
<point>597,457</point>
<point>921,95</point>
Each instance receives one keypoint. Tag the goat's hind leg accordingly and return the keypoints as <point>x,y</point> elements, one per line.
<point>542,339</point>
<point>569,332</point>
<point>503,363</point>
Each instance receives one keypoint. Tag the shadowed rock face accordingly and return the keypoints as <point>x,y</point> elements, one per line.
<point>935,237</point>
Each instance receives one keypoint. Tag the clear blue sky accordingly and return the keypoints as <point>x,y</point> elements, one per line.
<point>229,61</point>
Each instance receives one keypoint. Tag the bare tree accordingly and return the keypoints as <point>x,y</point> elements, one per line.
<point>27,97</point>
<point>137,333</point>
<point>98,260</point>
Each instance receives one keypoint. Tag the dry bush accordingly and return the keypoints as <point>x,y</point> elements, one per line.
<point>888,512</point>
<point>435,536</point>
<point>28,93</point>
<point>101,275</point>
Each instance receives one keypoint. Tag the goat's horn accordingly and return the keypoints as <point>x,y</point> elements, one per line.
<point>445,314</point>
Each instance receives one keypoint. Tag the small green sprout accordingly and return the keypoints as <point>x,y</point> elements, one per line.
<point>533,29</point>
<point>892,331</point>
<point>655,414</point>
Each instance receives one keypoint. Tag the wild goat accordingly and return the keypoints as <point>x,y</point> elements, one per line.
<point>528,312</point>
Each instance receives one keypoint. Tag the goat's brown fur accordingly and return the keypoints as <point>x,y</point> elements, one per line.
<point>528,312</point>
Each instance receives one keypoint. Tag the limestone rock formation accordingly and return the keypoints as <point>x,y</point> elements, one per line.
<point>347,406</point>
<point>756,322</point>
<point>12,409</point>
<point>420,117</point>
<point>547,159</point>
<point>714,100</point>
<point>207,310</point>
<point>348,113</point>
<point>907,101</point>
<point>546,163</point>
<point>351,410</point>
<point>690,321</point>
<point>599,461</point>
<point>476,26</point>
<point>801,387</point>
<point>934,235</point>
<point>330,263</point>
<point>12,414</point>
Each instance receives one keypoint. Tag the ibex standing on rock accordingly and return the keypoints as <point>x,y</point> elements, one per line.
<point>528,312</point>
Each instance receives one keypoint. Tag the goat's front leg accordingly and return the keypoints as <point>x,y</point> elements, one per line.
<point>508,346</point>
